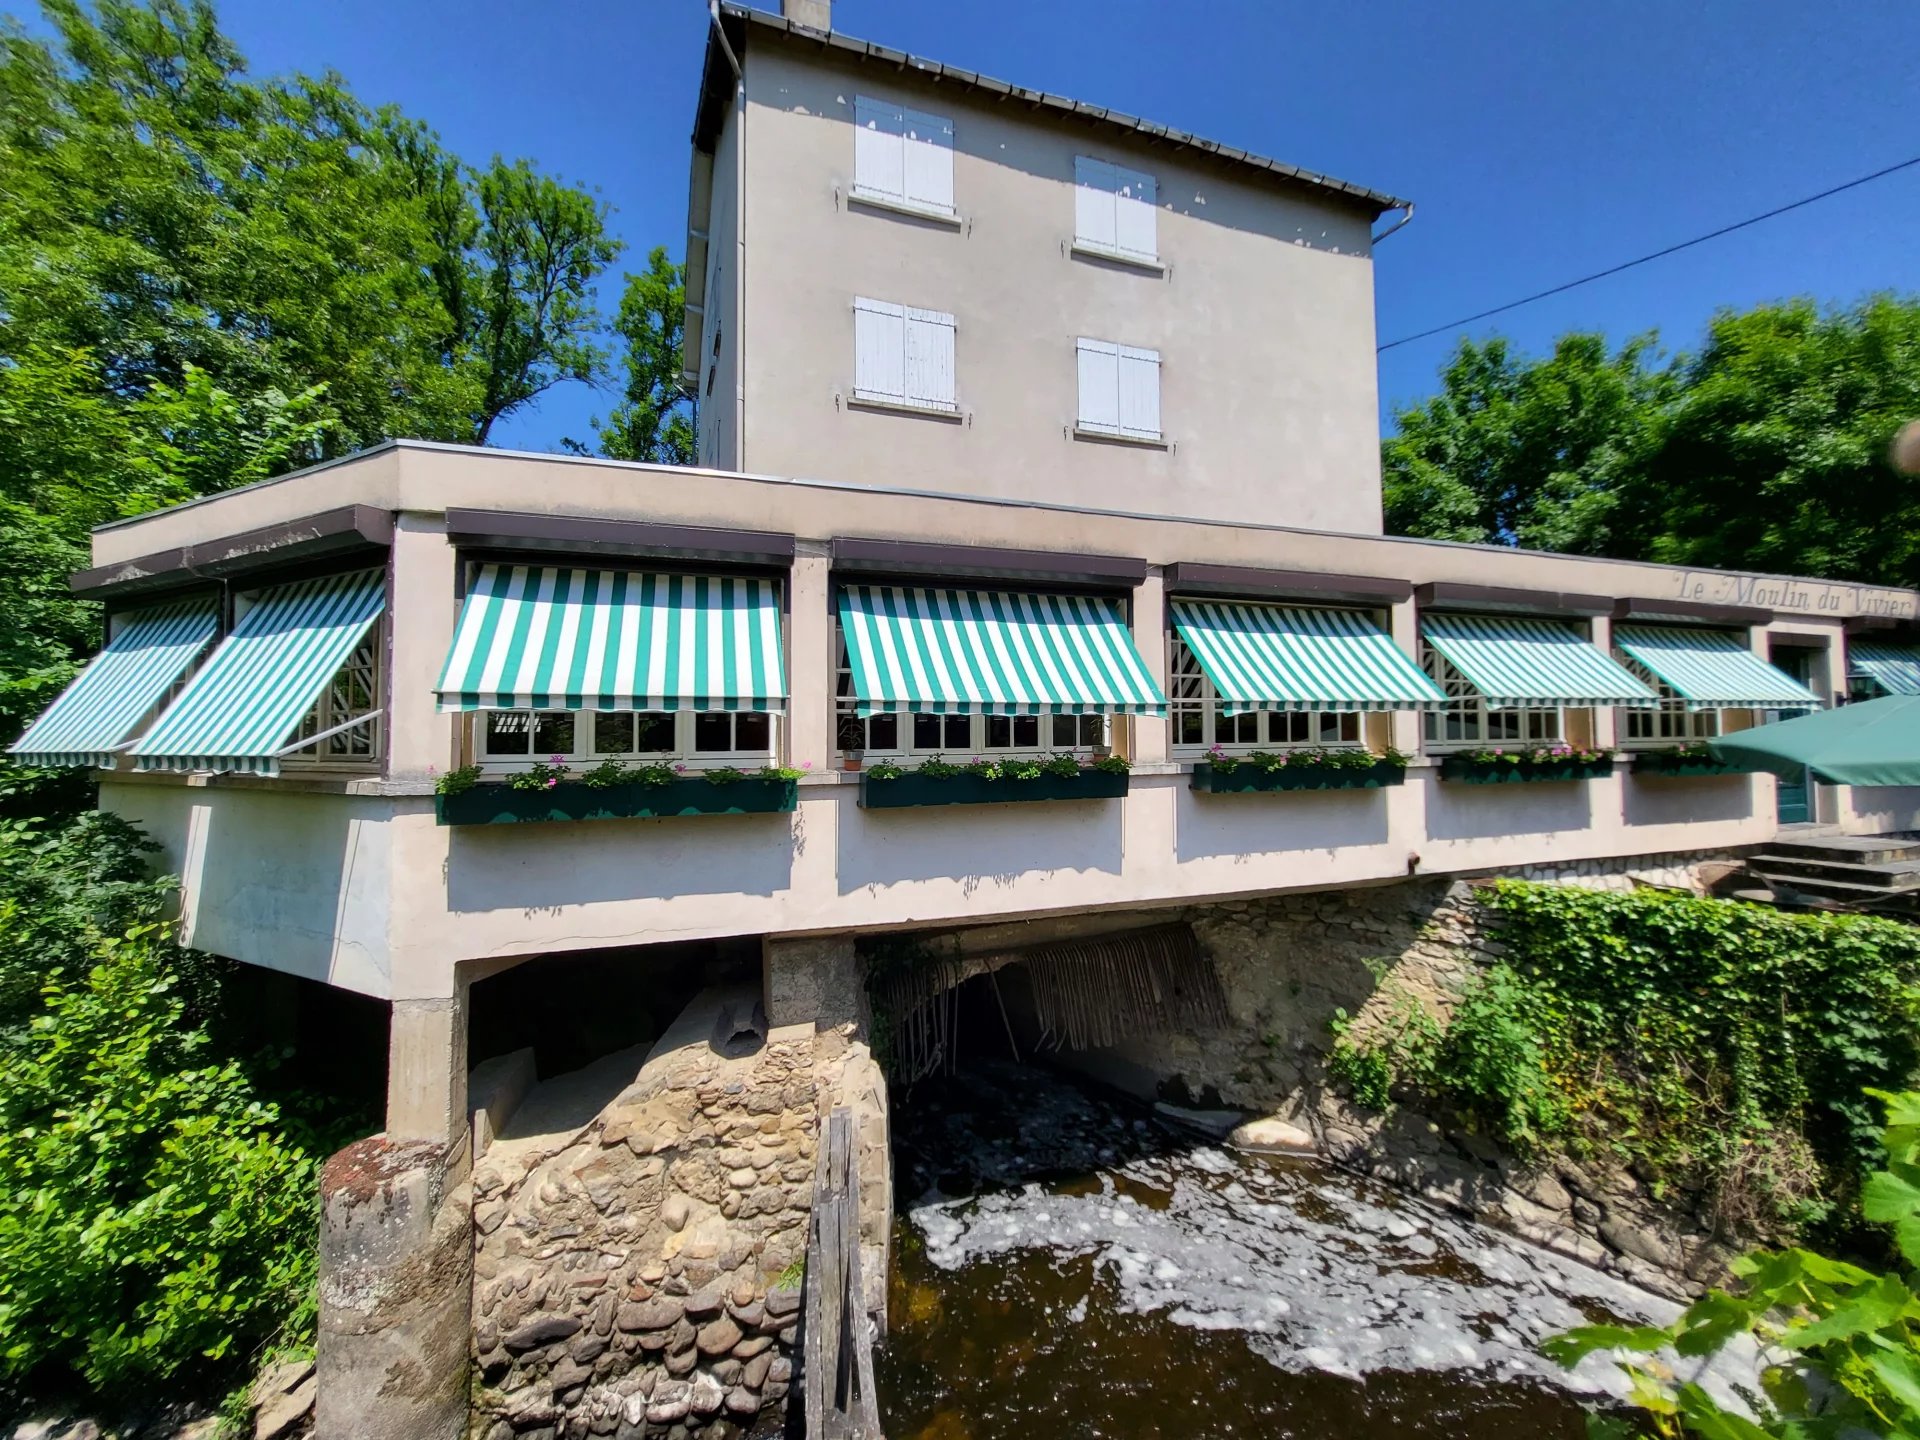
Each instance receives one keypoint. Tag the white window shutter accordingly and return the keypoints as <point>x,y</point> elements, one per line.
<point>1139,392</point>
<point>1093,202</point>
<point>879,350</point>
<point>929,359</point>
<point>879,160</point>
<point>1134,230</point>
<point>1099,386</point>
<point>927,145</point>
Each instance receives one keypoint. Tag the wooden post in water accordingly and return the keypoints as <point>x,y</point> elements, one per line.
<point>837,1357</point>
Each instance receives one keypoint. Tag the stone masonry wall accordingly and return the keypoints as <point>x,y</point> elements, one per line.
<point>641,1280</point>
<point>1289,962</point>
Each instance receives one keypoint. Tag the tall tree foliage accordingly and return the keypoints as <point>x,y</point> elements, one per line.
<point>207,279</point>
<point>654,420</point>
<point>1766,450</point>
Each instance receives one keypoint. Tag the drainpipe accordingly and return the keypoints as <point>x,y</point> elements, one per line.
<point>739,236</point>
<point>1400,224</point>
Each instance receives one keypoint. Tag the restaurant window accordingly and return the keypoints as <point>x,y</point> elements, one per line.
<point>1200,720</point>
<point>1467,722</point>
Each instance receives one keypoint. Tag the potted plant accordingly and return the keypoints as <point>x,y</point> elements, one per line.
<point>986,781</point>
<point>853,743</point>
<point>1502,765</point>
<point>1222,773</point>
<point>1693,758</point>
<point>612,790</point>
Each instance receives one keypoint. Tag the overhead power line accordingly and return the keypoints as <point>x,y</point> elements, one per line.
<point>1659,254</point>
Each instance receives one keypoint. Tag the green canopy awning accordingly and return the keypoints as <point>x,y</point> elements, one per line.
<point>991,652</point>
<point>558,637</point>
<point>97,714</point>
<point>1712,669</point>
<point>1517,661</point>
<point>1894,668</point>
<point>1289,657</point>
<point>1874,743</point>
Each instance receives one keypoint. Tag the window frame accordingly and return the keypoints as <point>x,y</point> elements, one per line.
<point>1100,190</point>
<point>1190,692</point>
<point>935,151</point>
<point>1471,709</point>
<point>584,753</point>
<point>335,756</point>
<point>1091,354</point>
<point>977,726</point>
<point>1673,721</point>
<point>937,352</point>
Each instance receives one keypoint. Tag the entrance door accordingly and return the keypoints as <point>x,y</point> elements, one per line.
<point>1793,798</point>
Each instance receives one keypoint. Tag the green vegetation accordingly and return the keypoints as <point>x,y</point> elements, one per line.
<point>1844,1342</point>
<point>1765,450</point>
<point>1720,1047</point>
<point>1311,758</point>
<point>157,1206</point>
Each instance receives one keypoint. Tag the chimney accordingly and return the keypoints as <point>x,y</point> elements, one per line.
<point>814,14</point>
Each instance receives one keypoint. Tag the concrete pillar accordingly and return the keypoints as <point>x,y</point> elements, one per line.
<point>1606,720</point>
<point>810,658</point>
<point>1151,734</point>
<point>396,1287</point>
<point>427,1073</point>
<point>812,980</point>
<point>1403,622</point>
<point>422,608</point>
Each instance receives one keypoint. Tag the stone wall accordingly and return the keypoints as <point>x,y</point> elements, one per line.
<point>642,1277</point>
<point>1290,963</point>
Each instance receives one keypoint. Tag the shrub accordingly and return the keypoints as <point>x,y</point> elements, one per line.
<point>1841,1344</point>
<point>155,1214</point>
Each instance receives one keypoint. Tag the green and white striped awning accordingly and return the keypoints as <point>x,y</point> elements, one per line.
<point>1712,669</point>
<point>1518,661</point>
<point>1284,657</point>
<point>96,715</point>
<point>990,652</point>
<point>241,710</point>
<point>1894,668</point>
<point>535,637</point>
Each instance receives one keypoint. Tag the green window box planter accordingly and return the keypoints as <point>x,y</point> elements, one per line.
<point>904,791</point>
<point>570,800</point>
<point>1247,779</point>
<point>1507,772</point>
<point>1654,763</point>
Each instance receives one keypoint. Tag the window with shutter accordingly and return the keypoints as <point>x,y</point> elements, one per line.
<point>1100,386</point>
<point>1114,209</point>
<point>903,355</point>
<point>1119,390</point>
<point>1139,387</point>
<point>879,350</point>
<point>901,156</point>
<point>929,358</point>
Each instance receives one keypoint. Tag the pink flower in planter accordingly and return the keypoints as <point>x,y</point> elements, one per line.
<point>679,769</point>
<point>806,764</point>
<point>552,780</point>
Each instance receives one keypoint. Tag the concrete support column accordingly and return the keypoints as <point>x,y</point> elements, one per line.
<point>396,1290</point>
<point>427,1073</point>
<point>812,980</point>
<point>422,607</point>
<point>1151,734</point>
<point>1606,720</point>
<point>1403,622</point>
<point>810,658</point>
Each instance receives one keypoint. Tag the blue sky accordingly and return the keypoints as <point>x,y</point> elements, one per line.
<point>1541,139</point>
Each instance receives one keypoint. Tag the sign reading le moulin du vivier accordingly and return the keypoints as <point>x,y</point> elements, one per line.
<point>1806,596</point>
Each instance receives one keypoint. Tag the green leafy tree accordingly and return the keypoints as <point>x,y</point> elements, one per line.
<point>654,420</point>
<point>1842,1341</point>
<point>1767,450</point>
<point>1525,452</point>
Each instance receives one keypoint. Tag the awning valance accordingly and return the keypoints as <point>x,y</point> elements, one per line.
<point>1286,657</point>
<point>1515,661</point>
<point>1712,669</point>
<point>534,637</point>
<point>1894,668</point>
<point>242,708</point>
<point>96,715</point>
<point>991,652</point>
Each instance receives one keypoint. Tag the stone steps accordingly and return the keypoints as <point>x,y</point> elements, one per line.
<point>1849,849</point>
<point>1899,875</point>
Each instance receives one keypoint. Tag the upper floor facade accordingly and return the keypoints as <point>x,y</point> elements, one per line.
<point>903,274</point>
<point>296,666</point>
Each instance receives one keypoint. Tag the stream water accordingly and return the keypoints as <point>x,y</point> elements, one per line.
<point>1067,1264</point>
